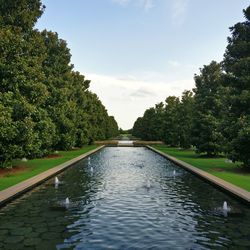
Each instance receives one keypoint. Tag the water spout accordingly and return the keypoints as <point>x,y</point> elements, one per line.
<point>225,206</point>
<point>174,173</point>
<point>67,201</point>
<point>56,181</point>
<point>225,209</point>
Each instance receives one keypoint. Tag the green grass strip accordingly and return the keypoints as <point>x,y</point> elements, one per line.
<point>217,166</point>
<point>37,166</point>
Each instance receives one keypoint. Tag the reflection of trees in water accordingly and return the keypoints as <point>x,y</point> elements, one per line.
<point>202,199</point>
<point>180,207</point>
<point>29,221</point>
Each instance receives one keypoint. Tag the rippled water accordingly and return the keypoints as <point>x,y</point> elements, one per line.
<point>131,200</point>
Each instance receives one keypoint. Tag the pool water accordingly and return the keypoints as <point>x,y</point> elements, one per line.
<point>124,198</point>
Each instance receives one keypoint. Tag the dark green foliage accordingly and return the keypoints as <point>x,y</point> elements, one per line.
<point>23,92</point>
<point>62,108</point>
<point>171,125</point>
<point>206,135</point>
<point>125,132</point>
<point>111,127</point>
<point>138,128</point>
<point>158,121</point>
<point>217,118</point>
<point>44,104</point>
<point>185,119</point>
<point>149,127</point>
<point>237,82</point>
<point>8,133</point>
<point>20,13</point>
<point>193,120</point>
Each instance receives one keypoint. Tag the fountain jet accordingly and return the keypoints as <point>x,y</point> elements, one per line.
<point>56,181</point>
<point>67,201</point>
<point>225,206</point>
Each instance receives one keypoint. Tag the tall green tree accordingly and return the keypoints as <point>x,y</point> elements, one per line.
<point>23,91</point>
<point>137,129</point>
<point>171,134</point>
<point>61,105</point>
<point>150,126</point>
<point>112,127</point>
<point>206,134</point>
<point>20,13</point>
<point>185,119</point>
<point>44,104</point>
<point>78,87</point>
<point>159,121</point>
<point>236,64</point>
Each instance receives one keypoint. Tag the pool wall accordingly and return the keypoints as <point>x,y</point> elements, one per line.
<point>17,190</point>
<point>231,189</point>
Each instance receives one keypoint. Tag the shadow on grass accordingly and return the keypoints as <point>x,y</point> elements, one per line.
<point>241,170</point>
<point>188,153</point>
<point>216,163</point>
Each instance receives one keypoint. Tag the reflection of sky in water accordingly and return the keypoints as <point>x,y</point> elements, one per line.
<point>114,207</point>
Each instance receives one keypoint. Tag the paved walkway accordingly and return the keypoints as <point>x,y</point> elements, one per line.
<point>226,186</point>
<point>17,190</point>
<point>124,143</point>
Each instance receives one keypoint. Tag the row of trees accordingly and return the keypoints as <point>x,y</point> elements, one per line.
<point>215,116</point>
<point>44,104</point>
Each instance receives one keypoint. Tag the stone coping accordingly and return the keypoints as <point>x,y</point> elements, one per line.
<point>122,143</point>
<point>17,190</point>
<point>235,191</point>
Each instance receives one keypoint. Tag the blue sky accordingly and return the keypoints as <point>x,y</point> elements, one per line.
<point>138,52</point>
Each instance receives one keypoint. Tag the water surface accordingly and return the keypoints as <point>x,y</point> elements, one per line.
<point>129,199</point>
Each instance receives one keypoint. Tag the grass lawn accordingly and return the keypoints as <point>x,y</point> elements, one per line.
<point>218,166</point>
<point>37,166</point>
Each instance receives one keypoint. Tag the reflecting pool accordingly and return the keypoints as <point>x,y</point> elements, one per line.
<point>124,198</point>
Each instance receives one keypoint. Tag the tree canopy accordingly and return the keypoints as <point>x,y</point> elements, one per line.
<point>215,117</point>
<point>236,64</point>
<point>44,104</point>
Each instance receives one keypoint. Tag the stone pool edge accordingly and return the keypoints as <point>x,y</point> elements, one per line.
<point>19,189</point>
<point>235,191</point>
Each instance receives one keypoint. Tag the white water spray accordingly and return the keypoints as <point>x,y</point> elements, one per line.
<point>67,201</point>
<point>225,206</point>
<point>57,181</point>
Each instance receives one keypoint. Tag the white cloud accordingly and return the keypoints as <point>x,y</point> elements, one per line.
<point>143,92</point>
<point>179,11</point>
<point>128,97</point>
<point>174,63</point>
<point>145,4</point>
<point>122,2</point>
